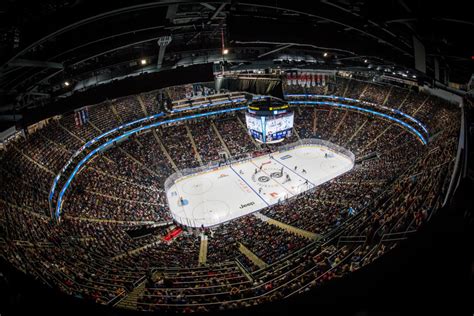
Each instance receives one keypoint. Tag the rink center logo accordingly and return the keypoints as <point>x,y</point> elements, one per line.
<point>263,179</point>
<point>285,157</point>
<point>246,205</point>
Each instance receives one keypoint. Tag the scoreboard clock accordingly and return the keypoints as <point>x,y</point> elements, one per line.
<point>269,122</point>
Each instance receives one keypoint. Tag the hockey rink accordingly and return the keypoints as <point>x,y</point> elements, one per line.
<point>212,197</point>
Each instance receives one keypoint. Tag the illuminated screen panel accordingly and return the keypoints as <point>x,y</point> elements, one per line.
<point>253,123</point>
<point>270,129</point>
<point>278,124</point>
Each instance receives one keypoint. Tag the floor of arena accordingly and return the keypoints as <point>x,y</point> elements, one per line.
<point>219,195</point>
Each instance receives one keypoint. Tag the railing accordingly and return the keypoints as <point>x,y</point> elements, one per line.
<point>399,236</point>
<point>366,103</point>
<point>126,134</point>
<point>302,288</point>
<point>461,158</point>
<point>122,295</point>
<point>351,239</point>
<point>365,110</point>
<point>280,286</point>
<point>217,165</point>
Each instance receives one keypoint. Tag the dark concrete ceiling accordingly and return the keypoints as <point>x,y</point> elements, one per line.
<point>44,43</point>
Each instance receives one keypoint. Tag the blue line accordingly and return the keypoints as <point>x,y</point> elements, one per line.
<point>294,172</point>
<point>249,185</point>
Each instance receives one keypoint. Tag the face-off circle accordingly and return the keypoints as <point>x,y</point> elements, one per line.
<point>263,179</point>
<point>276,175</point>
<point>197,186</point>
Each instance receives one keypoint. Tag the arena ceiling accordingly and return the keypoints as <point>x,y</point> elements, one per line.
<point>43,44</point>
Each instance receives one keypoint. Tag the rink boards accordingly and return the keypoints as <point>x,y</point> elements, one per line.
<point>212,197</point>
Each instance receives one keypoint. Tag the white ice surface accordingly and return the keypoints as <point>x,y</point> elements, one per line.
<point>219,195</point>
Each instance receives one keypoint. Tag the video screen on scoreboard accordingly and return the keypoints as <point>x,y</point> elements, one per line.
<point>253,123</point>
<point>270,129</point>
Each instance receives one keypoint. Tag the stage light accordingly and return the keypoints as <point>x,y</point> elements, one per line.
<point>143,61</point>
<point>66,83</point>
<point>225,51</point>
<point>325,54</point>
<point>366,61</point>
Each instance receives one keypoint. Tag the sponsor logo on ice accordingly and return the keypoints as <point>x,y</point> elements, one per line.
<point>247,204</point>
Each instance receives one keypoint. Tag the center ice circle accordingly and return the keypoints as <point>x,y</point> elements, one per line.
<point>263,179</point>
<point>197,186</point>
<point>276,174</point>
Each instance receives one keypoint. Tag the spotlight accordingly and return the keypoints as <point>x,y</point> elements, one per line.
<point>143,61</point>
<point>225,51</point>
<point>66,83</point>
<point>366,61</point>
<point>325,54</point>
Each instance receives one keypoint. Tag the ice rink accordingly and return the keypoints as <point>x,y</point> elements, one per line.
<point>219,195</point>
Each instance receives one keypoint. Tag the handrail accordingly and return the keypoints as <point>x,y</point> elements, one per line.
<point>394,236</point>
<point>333,97</point>
<point>461,151</point>
<point>253,288</point>
<point>132,123</point>
<point>360,109</point>
<point>319,277</point>
<point>125,135</point>
<point>351,239</point>
<point>195,288</point>
<point>217,165</point>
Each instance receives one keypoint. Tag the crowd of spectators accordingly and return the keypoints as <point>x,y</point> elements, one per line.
<point>89,254</point>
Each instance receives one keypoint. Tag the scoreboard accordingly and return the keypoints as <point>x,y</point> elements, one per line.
<point>270,129</point>
<point>269,120</point>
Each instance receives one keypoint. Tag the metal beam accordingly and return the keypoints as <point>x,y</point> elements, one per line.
<point>214,15</point>
<point>96,18</point>
<point>163,42</point>
<point>171,11</point>
<point>402,20</point>
<point>35,63</point>
<point>10,117</point>
<point>275,50</point>
<point>209,6</point>
<point>96,55</point>
<point>40,94</point>
<point>344,20</point>
<point>457,21</point>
